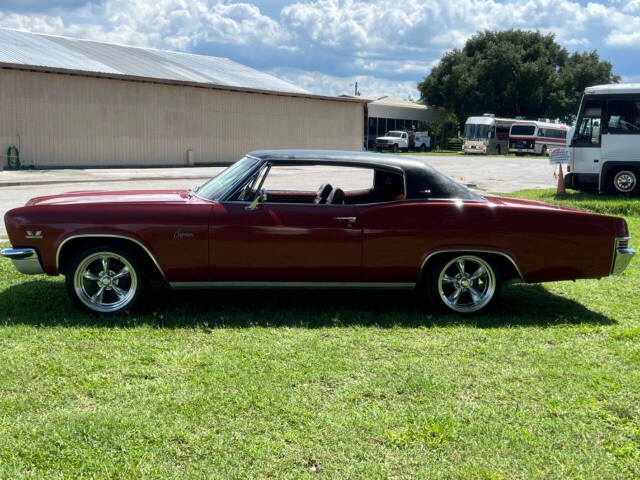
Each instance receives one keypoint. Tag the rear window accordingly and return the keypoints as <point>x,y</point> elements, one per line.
<point>523,130</point>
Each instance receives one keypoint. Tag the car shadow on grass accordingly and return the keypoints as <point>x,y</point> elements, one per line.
<point>44,303</point>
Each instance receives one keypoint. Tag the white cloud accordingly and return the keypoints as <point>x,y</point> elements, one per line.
<point>34,23</point>
<point>368,85</point>
<point>175,24</point>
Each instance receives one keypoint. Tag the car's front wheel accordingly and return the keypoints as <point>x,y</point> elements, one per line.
<point>105,280</point>
<point>462,283</point>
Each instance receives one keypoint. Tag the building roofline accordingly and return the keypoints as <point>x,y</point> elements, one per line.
<point>165,81</point>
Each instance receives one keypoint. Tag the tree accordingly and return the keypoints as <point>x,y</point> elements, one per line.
<point>513,73</point>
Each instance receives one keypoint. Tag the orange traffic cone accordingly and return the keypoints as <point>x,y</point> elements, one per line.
<point>561,187</point>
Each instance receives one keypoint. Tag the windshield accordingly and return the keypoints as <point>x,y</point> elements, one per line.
<point>393,134</point>
<point>476,130</point>
<point>523,130</point>
<point>214,188</point>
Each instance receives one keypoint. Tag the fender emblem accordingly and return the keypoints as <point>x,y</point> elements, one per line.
<point>37,235</point>
<point>179,234</point>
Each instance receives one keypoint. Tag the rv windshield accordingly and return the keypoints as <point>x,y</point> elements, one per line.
<point>475,130</point>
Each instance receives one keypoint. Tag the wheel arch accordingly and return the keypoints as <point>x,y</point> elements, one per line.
<point>66,248</point>
<point>508,266</point>
<point>609,167</point>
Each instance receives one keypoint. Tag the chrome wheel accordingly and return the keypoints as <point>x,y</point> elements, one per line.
<point>105,282</point>
<point>466,284</point>
<point>625,181</point>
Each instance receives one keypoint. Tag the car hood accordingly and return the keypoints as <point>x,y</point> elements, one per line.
<point>106,196</point>
<point>388,138</point>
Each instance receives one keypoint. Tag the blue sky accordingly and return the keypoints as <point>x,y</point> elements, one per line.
<point>325,46</point>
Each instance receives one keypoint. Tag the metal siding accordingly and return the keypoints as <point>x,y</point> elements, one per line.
<point>68,121</point>
<point>48,51</point>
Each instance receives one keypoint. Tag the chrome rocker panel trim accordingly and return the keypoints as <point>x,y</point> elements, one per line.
<point>108,235</point>
<point>621,256</point>
<point>283,285</point>
<point>24,259</point>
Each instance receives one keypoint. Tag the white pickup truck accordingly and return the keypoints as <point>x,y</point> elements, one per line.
<point>395,140</point>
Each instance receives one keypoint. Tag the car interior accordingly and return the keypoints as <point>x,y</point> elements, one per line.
<point>387,187</point>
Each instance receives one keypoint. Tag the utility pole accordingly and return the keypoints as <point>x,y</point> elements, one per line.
<point>356,91</point>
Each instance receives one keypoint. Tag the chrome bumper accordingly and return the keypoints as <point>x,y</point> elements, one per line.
<point>622,255</point>
<point>24,259</point>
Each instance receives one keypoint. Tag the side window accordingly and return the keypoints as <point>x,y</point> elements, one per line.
<point>312,184</point>
<point>623,116</point>
<point>588,131</point>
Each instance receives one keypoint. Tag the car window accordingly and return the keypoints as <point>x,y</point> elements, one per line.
<point>301,184</point>
<point>308,178</point>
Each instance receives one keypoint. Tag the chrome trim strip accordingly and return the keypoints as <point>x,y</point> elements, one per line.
<point>107,235</point>
<point>471,250</point>
<point>621,256</point>
<point>25,260</point>
<point>275,285</point>
<point>17,253</point>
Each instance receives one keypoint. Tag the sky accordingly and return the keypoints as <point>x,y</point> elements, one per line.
<point>325,46</point>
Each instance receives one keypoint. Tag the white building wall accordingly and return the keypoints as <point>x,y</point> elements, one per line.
<point>74,121</point>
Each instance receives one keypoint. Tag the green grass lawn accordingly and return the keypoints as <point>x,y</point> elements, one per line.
<point>325,385</point>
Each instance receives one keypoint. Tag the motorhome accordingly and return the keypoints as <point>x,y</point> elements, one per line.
<point>604,153</point>
<point>536,137</point>
<point>486,134</point>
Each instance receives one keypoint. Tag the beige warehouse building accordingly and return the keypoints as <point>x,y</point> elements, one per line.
<point>77,103</point>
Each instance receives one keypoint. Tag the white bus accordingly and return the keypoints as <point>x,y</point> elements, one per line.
<point>536,137</point>
<point>604,153</point>
<point>486,134</point>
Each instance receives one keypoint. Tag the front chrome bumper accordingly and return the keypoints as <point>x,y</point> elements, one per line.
<point>622,255</point>
<point>24,259</point>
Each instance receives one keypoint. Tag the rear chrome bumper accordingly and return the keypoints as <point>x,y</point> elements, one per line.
<point>24,259</point>
<point>622,255</point>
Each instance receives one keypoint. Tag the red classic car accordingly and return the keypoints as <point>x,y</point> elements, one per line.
<point>408,227</point>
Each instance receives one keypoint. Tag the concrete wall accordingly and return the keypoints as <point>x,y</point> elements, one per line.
<point>74,121</point>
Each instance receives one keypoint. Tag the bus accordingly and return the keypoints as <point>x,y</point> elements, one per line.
<point>536,137</point>
<point>604,153</point>
<point>486,134</point>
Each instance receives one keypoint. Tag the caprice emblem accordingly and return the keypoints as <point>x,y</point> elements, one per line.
<point>179,234</point>
<point>34,235</point>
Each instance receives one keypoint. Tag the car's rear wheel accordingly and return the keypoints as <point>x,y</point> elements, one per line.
<point>462,283</point>
<point>105,280</point>
<point>625,181</point>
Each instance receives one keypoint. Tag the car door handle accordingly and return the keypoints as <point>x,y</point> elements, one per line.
<point>347,219</point>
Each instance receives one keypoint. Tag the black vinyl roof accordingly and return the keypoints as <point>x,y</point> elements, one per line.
<point>422,180</point>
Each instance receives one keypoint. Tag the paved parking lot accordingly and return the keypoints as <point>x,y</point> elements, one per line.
<point>485,174</point>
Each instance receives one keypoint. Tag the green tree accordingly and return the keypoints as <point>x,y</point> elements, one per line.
<point>513,72</point>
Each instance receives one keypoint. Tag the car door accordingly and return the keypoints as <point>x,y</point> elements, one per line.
<point>279,242</point>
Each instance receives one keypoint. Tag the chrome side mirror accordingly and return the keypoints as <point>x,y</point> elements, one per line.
<point>260,197</point>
